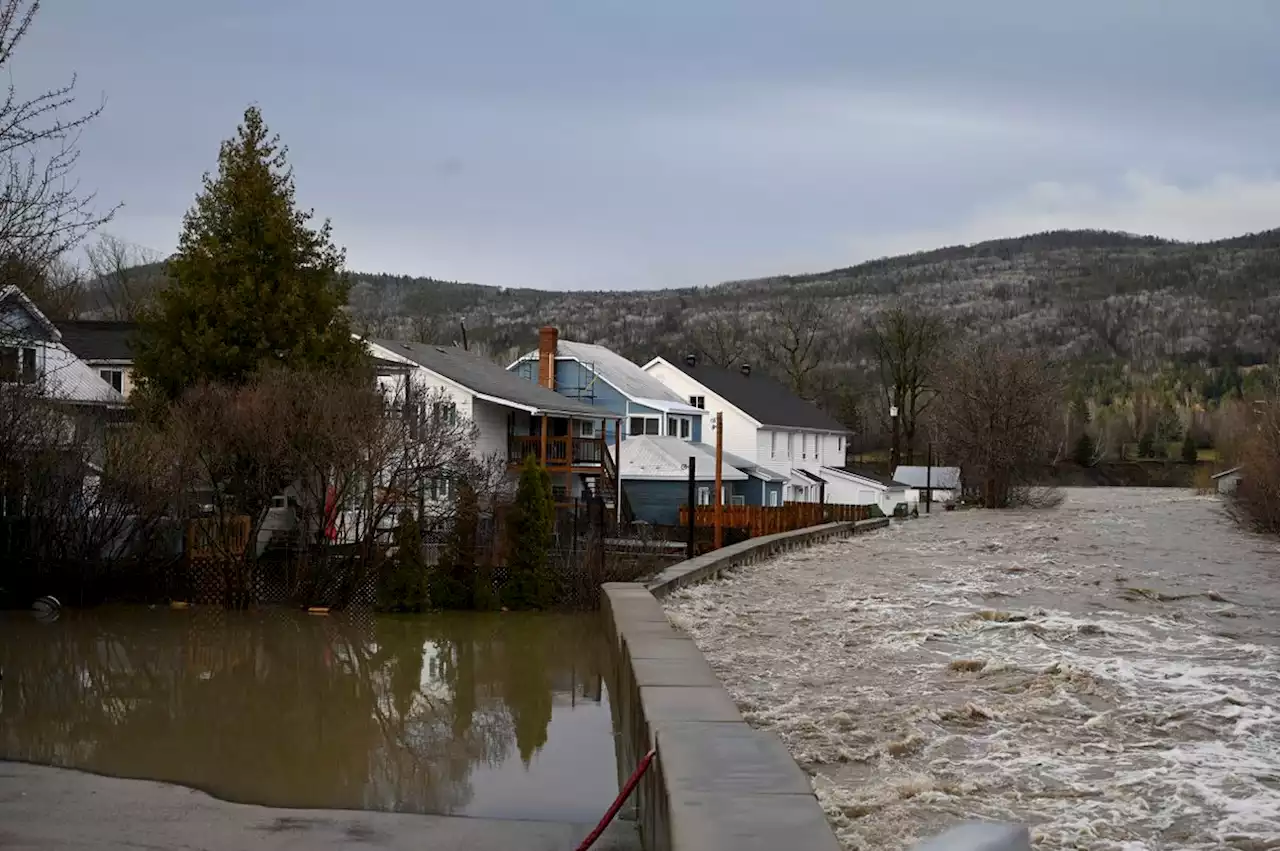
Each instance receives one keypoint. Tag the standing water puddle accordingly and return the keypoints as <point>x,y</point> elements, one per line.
<point>502,716</point>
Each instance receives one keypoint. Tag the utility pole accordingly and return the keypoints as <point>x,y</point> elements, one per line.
<point>928,480</point>
<point>719,483</point>
<point>693,477</point>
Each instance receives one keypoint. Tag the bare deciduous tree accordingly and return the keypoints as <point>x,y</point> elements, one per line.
<point>795,342</point>
<point>721,338</point>
<point>996,417</point>
<point>43,210</point>
<point>122,283</point>
<point>906,344</point>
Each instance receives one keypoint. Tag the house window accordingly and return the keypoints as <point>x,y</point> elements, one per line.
<point>671,426</point>
<point>684,428</point>
<point>704,496</point>
<point>18,364</point>
<point>698,402</point>
<point>773,499</point>
<point>804,446</point>
<point>773,444</point>
<point>114,377</point>
<point>444,412</point>
<point>790,453</point>
<point>645,425</point>
<point>442,489</point>
<point>737,500</point>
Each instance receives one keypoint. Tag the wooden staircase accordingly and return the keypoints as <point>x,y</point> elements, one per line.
<point>604,486</point>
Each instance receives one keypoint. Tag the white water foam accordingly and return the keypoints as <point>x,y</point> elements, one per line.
<point>1108,672</point>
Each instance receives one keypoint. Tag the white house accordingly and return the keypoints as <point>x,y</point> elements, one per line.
<point>942,482</point>
<point>845,487</point>
<point>764,422</point>
<point>32,351</point>
<point>1227,481</point>
<point>514,418</point>
<point>107,347</point>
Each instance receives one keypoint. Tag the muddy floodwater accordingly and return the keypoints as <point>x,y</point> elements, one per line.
<point>1107,672</point>
<point>503,716</point>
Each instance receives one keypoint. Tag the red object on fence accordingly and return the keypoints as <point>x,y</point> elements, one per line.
<point>627,788</point>
<point>331,515</point>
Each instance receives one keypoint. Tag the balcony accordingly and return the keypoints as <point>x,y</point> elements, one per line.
<point>563,453</point>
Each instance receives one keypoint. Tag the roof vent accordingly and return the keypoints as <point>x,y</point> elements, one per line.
<point>691,359</point>
<point>407,347</point>
<point>746,370</point>
<point>441,351</point>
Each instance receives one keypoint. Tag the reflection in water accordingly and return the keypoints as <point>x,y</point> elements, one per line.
<point>439,714</point>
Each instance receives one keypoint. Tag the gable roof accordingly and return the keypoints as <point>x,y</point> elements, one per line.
<point>882,482</point>
<point>626,377</point>
<point>99,341</point>
<point>666,458</point>
<point>12,293</point>
<point>945,478</point>
<point>1225,473</point>
<point>485,378</point>
<point>760,397</point>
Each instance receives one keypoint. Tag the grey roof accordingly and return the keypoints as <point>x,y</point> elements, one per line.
<point>871,477</point>
<point>666,458</point>
<point>946,478</point>
<point>487,378</point>
<point>751,467</point>
<point>1225,473</point>
<point>629,379</point>
<point>813,477</point>
<point>761,397</point>
<point>99,341</point>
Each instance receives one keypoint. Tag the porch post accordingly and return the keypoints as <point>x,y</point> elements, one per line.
<point>617,469</point>
<point>544,440</point>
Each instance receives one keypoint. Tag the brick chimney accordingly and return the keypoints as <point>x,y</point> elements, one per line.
<point>548,337</point>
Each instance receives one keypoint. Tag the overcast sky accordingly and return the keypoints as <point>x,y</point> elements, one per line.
<point>608,144</point>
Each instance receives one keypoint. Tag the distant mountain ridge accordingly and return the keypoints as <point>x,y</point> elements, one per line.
<point>1112,303</point>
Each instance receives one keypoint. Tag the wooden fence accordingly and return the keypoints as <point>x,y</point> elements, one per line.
<point>758,520</point>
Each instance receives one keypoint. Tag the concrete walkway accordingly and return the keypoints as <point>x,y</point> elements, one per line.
<point>47,808</point>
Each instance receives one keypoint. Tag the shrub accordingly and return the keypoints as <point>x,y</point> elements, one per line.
<point>454,581</point>
<point>1085,450</point>
<point>403,581</point>
<point>1189,453</point>
<point>530,584</point>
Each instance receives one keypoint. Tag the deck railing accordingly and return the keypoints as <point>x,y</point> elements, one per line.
<point>758,520</point>
<point>561,451</point>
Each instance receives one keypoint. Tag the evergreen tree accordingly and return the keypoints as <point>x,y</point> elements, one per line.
<point>402,583</point>
<point>529,523</point>
<point>251,281</point>
<point>454,580</point>
<point>1084,450</point>
<point>1189,453</point>
<point>1147,445</point>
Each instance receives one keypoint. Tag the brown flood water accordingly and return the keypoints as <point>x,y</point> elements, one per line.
<point>502,716</point>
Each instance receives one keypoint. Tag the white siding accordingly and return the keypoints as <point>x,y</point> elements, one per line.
<point>491,421</point>
<point>739,430</point>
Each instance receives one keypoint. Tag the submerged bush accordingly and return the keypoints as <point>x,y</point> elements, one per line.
<point>403,581</point>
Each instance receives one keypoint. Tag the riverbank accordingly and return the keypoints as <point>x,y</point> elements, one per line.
<point>1105,672</point>
<point>43,807</point>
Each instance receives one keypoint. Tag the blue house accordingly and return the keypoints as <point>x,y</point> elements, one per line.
<point>606,380</point>
<point>659,430</point>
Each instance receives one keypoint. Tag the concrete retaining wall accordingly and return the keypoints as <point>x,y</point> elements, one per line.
<point>717,784</point>
<point>712,564</point>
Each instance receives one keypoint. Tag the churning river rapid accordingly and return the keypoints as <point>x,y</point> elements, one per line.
<point>1107,672</point>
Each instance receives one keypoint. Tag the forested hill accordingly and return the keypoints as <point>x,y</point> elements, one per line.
<point>1089,295</point>
<point>1116,305</point>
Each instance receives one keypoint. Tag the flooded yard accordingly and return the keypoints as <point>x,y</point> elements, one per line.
<point>1107,672</point>
<point>501,716</point>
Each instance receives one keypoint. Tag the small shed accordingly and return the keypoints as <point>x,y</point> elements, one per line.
<point>655,477</point>
<point>1227,480</point>
<point>938,484</point>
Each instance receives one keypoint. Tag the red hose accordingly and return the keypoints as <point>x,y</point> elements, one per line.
<point>627,788</point>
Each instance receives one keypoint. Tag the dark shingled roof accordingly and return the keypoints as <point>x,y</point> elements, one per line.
<point>489,379</point>
<point>97,341</point>
<point>760,397</point>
